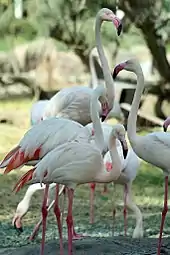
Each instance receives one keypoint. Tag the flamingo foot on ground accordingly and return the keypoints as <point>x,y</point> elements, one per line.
<point>77,236</point>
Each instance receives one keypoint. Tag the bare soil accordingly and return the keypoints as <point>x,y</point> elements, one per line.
<point>98,246</point>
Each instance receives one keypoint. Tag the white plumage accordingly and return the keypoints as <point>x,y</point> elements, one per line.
<point>154,148</point>
<point>77,162</point>
<point>73,103</point>
<point>37,110</point>
<point>41,139</point>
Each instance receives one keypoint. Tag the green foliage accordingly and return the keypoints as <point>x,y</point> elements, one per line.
<point>6,18</point>
<point>166,5</point>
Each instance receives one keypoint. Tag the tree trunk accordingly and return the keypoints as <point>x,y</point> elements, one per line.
<point>145,15</point>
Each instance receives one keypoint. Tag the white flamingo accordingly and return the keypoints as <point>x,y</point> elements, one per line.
<point>38,107</point>
<point>74,103</point>
<point>153,148</point>
<point>106,128</point>
<point>116,111</point>
<point>76,163</point>
<point>40,140</point>
<point>130,167</point>
<point>24,204</point>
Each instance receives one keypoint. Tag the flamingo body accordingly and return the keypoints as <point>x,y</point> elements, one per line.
<point>154,148</point>
<point>41,139</point>
<point>71,103</point>
<point>37,111</point>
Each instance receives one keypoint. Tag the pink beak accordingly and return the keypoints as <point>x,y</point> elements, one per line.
<point>18,225</point>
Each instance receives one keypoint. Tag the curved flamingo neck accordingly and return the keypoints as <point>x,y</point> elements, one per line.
<point>105,176</point>
<point>94,104</point>
<point>31,190</point>
<point>106,70</point>
<point>94,79</point>
<point>132,119</point>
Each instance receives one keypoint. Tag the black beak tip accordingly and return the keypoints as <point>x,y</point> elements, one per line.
<point>103,118</point>
<point>164,128</point>
<point>119,29</point>
<point>19,230</point>
<point>114,74</point>
<point>125,152</point>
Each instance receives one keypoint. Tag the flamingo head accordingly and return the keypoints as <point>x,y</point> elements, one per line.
<point>131,65</point>
<point>17,223</point>
<point>21,210</point>
<point>166,124</point>
<point>119,132</point>
<point>106,14</point>
<point>105,110</point>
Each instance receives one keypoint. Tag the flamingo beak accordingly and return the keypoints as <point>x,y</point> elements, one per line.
<point>164,128</point>
<point>105,111</point>
<point>17,225</point>
<point>103,117</point>
<point>125,148</point>
<point>117,69</point>
<point>118,25</point>
<point>119,29</point>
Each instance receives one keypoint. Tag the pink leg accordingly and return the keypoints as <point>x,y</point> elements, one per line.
<point>77,236</point>
<point>69,220</point>
<point>164,211</point>
<point>35,231</point>
<point>62,205</point>
<point>44,218</point>
<point>92,190</point>
<point>114,216</point>
<point>58,214</point>
<point>125,209</point>
<point>105,189</point>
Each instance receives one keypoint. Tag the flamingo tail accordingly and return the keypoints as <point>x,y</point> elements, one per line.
<point>17,158</point>
<point>23,180</point>
<point>8,157</point>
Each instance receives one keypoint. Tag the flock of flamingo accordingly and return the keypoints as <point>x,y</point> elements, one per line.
<point>68,145</point>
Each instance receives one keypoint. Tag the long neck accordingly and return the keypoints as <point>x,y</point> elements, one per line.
<point>98,132</point>
<point>94,79</point>
<point>31,190</point>
<point>132,119</point>
<point>106,71</point>
<point>103,175</point>
<point>139,218</point>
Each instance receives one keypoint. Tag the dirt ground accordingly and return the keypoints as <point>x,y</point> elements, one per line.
<point>98,246</point>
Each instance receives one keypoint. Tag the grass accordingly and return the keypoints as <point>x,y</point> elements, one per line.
<point>147,191</point>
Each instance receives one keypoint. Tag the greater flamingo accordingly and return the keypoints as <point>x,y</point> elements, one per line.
<point>153,148</point>
<point>74,103</point>
<point>41,139</point>
<point>116,111</point>
<point>64,162</point>
<point>23,205</point>
<point>106,128</point>
<point>130,167</point>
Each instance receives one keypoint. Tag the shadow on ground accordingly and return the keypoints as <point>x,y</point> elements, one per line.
<point>98,246</point>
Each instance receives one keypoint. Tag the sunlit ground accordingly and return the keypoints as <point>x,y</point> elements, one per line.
<point>147,190</point>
